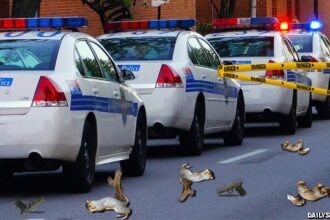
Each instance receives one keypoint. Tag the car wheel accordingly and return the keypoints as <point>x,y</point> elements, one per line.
<point>193,140</point>
<point>136,163</point>
<point>288,123</point>
<point>307,120</point>
<point>235,136</point>
<point>80,174</point>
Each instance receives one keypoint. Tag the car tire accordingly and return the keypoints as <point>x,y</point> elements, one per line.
<point>323,109</point>
<point>288,123</point>
<point>80,174</point>
<point>306,121</point>
<point>136,163</point>
<point>193,140</point>
<point>235,136</point>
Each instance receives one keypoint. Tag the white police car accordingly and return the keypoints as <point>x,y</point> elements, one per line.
<point>63,103</point>
<point>313,46</point>
<point>254,40</point>
<point>176,76</point>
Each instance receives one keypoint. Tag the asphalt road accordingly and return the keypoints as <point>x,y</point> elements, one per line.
<point>268,176</point>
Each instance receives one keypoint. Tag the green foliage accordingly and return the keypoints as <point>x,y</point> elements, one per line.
<point>203,28</point>
<point>226,8</point>
<point>113,10</point>
<point>25,8</point>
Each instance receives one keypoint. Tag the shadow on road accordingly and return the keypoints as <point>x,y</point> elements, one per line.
<point>262,131</point>
<point>172,148</point>
<point>50,183</point>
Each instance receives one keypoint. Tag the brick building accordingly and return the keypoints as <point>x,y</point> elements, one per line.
<point>303,10</point>
<point>201,10</point>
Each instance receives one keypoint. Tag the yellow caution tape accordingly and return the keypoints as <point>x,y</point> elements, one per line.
<point>274,66</point>
<point>275,82</point>
<point>227,71</point>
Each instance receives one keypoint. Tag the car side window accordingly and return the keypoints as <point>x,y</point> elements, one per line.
<point>211,54</point>
<point>106,64</point>
<point>293,51</point>
<point>78,63</point>
<point>324,46</point>
<point>196,53</point>
<point>288,51</point>
<point>326,40</point>
<point>88,59</point>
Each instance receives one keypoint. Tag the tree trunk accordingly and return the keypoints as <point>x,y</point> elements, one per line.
<point>231,9</point>
<point>25,8</point>
<point>223,9</point>
<point>227,8</point>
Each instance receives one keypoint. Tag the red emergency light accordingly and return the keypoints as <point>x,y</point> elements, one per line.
<point>284,26</point>
<point>241,23</point>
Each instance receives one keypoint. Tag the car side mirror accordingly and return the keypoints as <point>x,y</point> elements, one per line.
<point>228,62</point>
<point>306,59</point>
<point>127,75</point>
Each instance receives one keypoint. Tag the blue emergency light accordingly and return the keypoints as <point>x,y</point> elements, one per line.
<point>152,24</point>
<point>312,26</point>
<point>315,25</point>
<point>34,23</point>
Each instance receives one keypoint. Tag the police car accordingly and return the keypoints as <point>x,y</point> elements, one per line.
<point>314,47</point>
<point>63,103</point>
<point>256,40</point>
<point>176,76</point>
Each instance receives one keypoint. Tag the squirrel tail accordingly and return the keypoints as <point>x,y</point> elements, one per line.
<point>116,181</point>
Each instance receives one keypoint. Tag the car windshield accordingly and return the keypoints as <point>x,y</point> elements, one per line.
<point>254,46</point>
<point>28,54</point>
<point>151,48</point>
<point>302,43</point>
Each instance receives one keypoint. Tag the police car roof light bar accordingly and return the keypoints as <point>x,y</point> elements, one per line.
<point>33,23</point>
<point>152,24</point>
<point>312,26</point>
<point>239,23</point>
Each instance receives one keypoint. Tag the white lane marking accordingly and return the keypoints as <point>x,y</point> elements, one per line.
<point>244,156</point>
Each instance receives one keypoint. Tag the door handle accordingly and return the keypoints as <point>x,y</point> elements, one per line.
<point>95,91</point>
<point>203,76</point>
<point>115,94</point>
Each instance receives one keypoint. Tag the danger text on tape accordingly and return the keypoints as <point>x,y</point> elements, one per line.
<point>275,82</point>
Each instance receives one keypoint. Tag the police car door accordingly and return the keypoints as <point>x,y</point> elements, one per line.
<point>300,75</point>
<point>221,87</point>
<point>119,102</point>
<point>99,95</point>
<point>208,84</point>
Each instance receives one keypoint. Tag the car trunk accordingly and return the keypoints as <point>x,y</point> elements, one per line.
<point>17,91</point>
<point>250,60</point>
<point>146,74</point>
